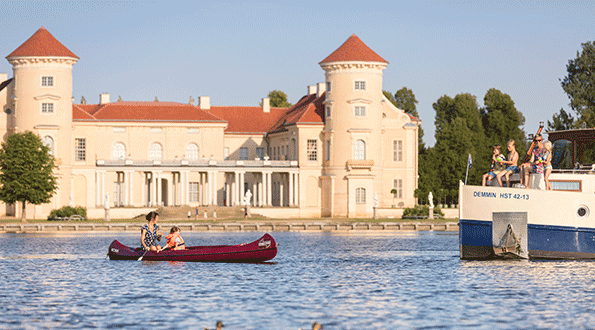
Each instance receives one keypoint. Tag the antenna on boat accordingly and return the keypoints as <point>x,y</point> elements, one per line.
<point>469,164</point>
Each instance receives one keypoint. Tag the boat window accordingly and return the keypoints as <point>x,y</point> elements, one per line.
<point>582,211</point>
<point>566,185</point>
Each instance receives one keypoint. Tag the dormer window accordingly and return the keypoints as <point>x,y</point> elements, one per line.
<point>360,85</point>
<point>47,81</point>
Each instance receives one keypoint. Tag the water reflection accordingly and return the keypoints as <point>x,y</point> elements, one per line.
<point>411,280</point>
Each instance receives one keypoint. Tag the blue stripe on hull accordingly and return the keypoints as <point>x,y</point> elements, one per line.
<point>549,242</point>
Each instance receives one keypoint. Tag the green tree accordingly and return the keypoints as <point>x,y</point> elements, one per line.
<point>279,99</point>
<point>560,122</point>
<point>502,121</point>
<point>459,132</point>
<point>27,171</point>
<point>579,84</point>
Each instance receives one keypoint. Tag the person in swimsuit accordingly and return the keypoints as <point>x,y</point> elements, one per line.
<point>150,234</point>
<point>547,145</point>
<point>513,158</point>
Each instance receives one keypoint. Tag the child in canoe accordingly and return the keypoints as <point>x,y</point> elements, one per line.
<point>174,240</point>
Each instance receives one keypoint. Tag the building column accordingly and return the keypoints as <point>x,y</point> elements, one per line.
<point>260,180</point>
<point>254,190</point>
<point>290,187</point>
<point>269,191</point>
<point>102,187</point>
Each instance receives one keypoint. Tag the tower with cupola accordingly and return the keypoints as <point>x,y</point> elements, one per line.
<point>352,133</point>
<point>41,97</point>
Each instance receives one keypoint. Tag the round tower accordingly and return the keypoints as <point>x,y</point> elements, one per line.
<point>353,128</point>
<point>42,100</point>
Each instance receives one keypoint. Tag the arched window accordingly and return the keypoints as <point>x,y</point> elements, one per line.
<point>360,195</point>
<point>49,142</point>
<point>155,151</point>
<point>359,150</point>
<point>192,151</point>
<point>119,151</point>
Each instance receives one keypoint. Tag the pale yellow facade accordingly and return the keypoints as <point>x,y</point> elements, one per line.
<point>342,165</point>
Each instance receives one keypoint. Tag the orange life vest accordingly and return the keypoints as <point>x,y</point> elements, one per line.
<point>171,239</point>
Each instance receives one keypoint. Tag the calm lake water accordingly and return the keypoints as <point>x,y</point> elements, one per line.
<point>351,281</point>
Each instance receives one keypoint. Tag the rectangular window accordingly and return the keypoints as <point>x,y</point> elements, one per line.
<point>47,81</point>
<point>328,149</point>
<point>397,150</point>
<point>566,185</point>
<point>360,111</point>
<point>312,150</point>
<point>119,129</point>
<point>243,153</point>
<point>47,108</point>
<point>193,130</point>
<point>360,196</point>
<point>398,186</point>
<point>80,150</point>
<point>360,85</point>
<point>327,111</point>
<point>193,191</point>
<point>157,130</point>
<point>328,86</point>
<point>260,153</point>
<point>225,153</point>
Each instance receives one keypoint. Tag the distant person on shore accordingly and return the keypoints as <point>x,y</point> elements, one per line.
<point>536,164</point>
<point>512,161</point>
<point>196,213</point>
<point>547,145</point>
<point>496,167</point>
<point>150,234</point>
<point>175,240</point>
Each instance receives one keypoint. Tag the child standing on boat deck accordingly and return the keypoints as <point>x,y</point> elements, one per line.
<point>513,158</point>
<point>547,145</point>
<point>496,167</point>
<point>174,240</point>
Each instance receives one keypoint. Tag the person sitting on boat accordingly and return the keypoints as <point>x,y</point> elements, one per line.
<point>512,161</point>
<point>150,233</point>
<point>496,167</point>
<point>536,164</point>
<point>547,145</point>
<point>174,240</point>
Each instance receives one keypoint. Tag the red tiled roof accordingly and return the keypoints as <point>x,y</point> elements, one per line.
<point>141,112</point>
<point>353,50</point>
<point>247,120</point>
<point>42,43</point>
<point>310,110</point>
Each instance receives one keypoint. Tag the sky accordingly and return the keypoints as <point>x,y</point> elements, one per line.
<point>236,53</point>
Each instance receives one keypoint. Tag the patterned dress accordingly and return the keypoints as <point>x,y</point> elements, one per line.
<point>151,236</point>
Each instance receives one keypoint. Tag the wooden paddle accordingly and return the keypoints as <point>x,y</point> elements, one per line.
<point>141,257</point>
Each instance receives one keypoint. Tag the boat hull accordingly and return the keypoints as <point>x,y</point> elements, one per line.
<point>262,249</point>
<point>549,224</point>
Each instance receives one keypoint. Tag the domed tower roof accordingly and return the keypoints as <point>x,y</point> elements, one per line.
<point>42,43</point>
<point>353,49</point>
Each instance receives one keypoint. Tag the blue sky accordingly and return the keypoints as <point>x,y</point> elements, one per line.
<point>237,52</point>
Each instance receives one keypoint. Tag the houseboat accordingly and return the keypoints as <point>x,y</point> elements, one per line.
<point>534,223</point>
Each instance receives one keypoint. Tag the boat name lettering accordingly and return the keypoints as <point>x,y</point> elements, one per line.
<point>489,194</point>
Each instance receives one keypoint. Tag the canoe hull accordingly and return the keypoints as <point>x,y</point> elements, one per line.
<point>262,249</point>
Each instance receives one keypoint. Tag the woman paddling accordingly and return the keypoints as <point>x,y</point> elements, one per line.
<point>150,233</point>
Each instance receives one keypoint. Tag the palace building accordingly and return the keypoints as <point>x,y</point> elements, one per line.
<point>338,152</point>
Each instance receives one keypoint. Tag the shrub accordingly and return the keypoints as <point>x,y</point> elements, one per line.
<point>67,211</point>
<point>420,210</point>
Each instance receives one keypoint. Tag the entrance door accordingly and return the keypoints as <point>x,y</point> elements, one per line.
<point>164,191</point>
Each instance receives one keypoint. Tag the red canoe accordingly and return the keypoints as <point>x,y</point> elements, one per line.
<point>263,249</point>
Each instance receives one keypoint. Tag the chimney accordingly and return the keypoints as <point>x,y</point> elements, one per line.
<point>311,89</point>
<point>321,88</point>
<point>103,98</point>
<point>3,77</point>
<point>266,104</point>
<point>204,102</point>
